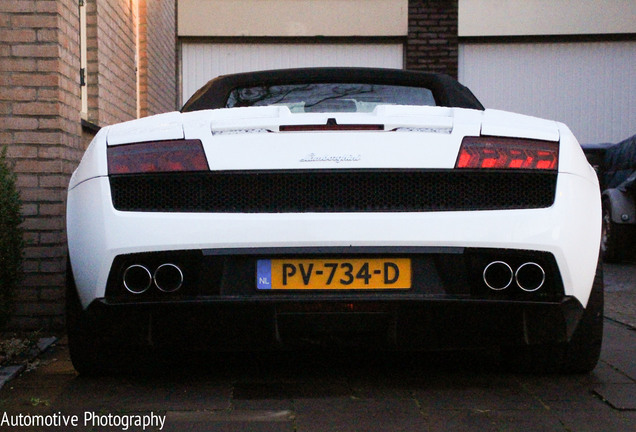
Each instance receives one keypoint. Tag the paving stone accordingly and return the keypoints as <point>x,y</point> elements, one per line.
<point>262,404</point>
<point>619,396</point>
<point>255,391</point>
<point>460,420</point>
<point>480,398</point>
<point>619,349</point>
<point>235,420</point>
<point>362,415</point>
<point>620,293</point>
<point>554,391</point>
<point>605,373</point>
<point>594,421</point>
<point>7,373</point>
<point>525,420</point>
<point>46,342</point>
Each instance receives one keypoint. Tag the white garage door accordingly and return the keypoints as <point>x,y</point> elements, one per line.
<point>590,86</point>
<point>200,62</point>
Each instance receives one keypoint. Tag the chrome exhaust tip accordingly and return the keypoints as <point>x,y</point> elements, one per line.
<point>498,275</point>
<point>168,278</point>
<point>530,276</point>
<point>137,279</point>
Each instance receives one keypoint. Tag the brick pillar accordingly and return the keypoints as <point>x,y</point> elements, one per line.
<point>157,57</point>
<point>432,37</point>
<point>112,61</point>
<point>39,123</point>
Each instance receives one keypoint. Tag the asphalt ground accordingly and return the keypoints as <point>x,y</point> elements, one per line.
<point>331,391</point>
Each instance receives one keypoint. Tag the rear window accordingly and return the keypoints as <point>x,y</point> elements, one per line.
<point>330,97</point>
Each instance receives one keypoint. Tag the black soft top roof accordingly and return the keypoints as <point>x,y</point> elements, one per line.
<point>446,91</point>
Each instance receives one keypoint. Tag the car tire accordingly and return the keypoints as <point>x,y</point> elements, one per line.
<point>90,353</point>
<point>578,356</point>
<point>613,239</point>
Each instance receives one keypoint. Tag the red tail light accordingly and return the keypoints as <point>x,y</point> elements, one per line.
<point>157,156</point>
<point>508,153</point>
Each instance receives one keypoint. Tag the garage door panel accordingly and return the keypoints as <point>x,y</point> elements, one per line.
<point>204,61</point>
<point>590,86</point>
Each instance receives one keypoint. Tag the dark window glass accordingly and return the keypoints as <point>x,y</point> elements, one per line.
<point>330,97</point>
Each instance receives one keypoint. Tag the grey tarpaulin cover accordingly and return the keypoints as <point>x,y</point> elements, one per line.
<point>619,163</point>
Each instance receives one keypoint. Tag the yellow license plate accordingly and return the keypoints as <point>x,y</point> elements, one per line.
<point>333,274</point>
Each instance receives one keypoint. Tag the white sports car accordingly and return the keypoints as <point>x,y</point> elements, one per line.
<point>363,207</point>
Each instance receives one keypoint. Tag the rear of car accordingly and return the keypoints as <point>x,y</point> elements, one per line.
<point>357,207</point>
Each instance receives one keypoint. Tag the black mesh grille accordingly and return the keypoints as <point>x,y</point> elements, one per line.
<point>333,191</point>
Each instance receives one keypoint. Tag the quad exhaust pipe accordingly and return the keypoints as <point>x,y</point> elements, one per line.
<point>168,278</point>
<point>498,275</point>
<point>138,278</point>
<point>530,276</point>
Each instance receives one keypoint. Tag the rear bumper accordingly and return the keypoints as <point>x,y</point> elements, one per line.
<point>448,305</point>
<point>98,237</point>
<point>413,322</point>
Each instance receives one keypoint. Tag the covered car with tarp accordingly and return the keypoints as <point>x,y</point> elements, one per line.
<point>616,167</point>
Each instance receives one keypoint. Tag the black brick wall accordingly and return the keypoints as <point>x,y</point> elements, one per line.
<point>432,38</point>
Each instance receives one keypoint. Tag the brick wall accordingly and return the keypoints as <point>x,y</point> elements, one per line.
<point>112,61</point>
<point>432,37</point>
<point>157,57</point>
<point>40,106</point>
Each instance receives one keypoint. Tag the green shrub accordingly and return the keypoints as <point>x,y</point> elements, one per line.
<point>11,242</point>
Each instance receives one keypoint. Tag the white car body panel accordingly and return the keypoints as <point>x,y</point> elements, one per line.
<point>237,139</point>
<point>507,124</point>
<point>159,127</point>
